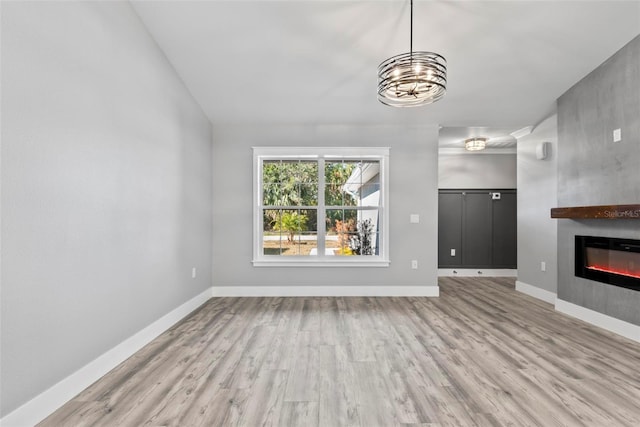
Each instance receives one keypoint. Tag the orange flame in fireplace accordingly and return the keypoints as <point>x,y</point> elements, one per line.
<point>607,269</point>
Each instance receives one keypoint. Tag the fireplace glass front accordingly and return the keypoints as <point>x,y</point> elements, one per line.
<point>609,260</point>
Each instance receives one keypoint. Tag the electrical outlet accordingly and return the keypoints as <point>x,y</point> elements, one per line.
<point>543,266</point>
<point>193,273</point>
<point>453,252</point>
<point>414,264</point>
<point>414,218</point>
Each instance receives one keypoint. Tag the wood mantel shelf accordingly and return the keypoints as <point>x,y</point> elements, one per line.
<point>598,212</point>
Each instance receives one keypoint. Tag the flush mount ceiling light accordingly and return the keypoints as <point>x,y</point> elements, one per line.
<point>412,79</point>
<point>475,144</point>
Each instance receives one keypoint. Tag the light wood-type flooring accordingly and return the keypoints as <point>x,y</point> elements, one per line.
<point>480,354</point>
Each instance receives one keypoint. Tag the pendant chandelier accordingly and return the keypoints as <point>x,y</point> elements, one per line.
<point>475,144</point>
<point>412,79</point>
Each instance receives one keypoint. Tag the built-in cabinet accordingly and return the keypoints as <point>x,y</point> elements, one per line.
<point>477,229</point>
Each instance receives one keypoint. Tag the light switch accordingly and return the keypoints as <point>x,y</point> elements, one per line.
<point>617,135</point>
<point>453,252</point>
<point>414,218</point>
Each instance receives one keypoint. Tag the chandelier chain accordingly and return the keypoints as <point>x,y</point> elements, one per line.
<point>411,31</point>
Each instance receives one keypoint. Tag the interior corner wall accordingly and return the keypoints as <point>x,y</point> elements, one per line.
<point>106,189</point>
<point>477,171</point>
<point>537,194</point>
<point>594,170</point>
<point>413,183</point>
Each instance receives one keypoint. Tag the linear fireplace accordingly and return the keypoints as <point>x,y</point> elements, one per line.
<point>609,260</point>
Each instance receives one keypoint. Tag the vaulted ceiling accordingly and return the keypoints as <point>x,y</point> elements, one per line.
<point>314,62</point>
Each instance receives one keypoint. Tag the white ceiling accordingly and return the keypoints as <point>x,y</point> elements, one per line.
<point>314,62</point>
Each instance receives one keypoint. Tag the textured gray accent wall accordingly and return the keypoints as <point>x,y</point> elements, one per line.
<point>476,170</point>
<point>106,189</point>
<point>537,194</point>
<point>413,189</point>
<point>593,170</point>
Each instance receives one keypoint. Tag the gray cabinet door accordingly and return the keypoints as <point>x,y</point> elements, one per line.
<point>449,230</point>
<point>505,231</point>
<point>476,229</point>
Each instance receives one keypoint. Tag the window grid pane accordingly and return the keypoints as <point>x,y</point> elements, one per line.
<point>337,174</point>
<point>289,231</point>
<point>289,183</point>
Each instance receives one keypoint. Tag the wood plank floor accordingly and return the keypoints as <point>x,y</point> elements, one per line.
<point>480,354</point>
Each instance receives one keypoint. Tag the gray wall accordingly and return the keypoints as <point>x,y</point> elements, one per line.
<point>413,189</point>
<point>593,170</point>
<point>106,189</point>
<point>477,170</point>
<point>537,194</point>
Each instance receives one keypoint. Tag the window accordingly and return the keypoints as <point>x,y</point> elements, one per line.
<point>320,206</point>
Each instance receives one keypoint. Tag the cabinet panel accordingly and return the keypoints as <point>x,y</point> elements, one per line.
<point>476,237</point>
<point>449,229</point>
<point>505,231</point>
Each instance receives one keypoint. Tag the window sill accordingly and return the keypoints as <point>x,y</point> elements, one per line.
<point>310,262</point>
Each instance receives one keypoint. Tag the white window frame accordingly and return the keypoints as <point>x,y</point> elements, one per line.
<point>380,154</point>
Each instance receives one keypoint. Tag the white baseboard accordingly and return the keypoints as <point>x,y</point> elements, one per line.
<point>477,272</point>
<point>41,406</point>
<point>620,327</point>
<point>326,291</point>
<point>536,292</point>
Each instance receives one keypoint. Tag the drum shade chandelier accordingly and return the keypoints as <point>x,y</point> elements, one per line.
<point>412,79</point>
<point>475,144</point>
